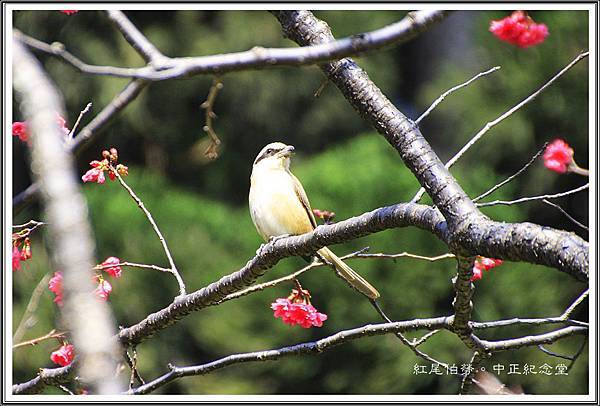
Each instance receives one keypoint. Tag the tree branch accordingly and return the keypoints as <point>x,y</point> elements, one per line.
<point>532,198</point>
<point>255,58</point>
<point>136,39</point>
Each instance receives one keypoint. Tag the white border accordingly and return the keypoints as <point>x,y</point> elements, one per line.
<point>303,398</point>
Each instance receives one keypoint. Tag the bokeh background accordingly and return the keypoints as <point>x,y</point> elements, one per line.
<point>201,205</point>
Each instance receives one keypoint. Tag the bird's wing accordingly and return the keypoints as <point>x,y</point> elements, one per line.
<point>303,199</point>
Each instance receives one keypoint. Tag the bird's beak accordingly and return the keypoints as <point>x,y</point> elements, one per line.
<point>288,151</point>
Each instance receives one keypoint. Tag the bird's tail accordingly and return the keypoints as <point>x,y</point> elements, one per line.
<point>348,273</point>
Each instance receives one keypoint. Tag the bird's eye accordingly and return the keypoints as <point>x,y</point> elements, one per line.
<point>270,150</point>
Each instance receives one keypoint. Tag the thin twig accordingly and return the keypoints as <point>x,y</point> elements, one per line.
<point>573,305</point>
<point>416,342</point>
<point>132,362</point>
<point>135,37</point>
<point>212,152</point>
<point>135,265</point>
<point>31,308</point>
<point>554,354</point>
<point>85,110</point>
<point>452,90</point>
<point>262,286</point>
<point>64,389</point>
<point>51,334</point>
<point>162,240</point>
<point>507,114</point>
<point>532,198</point>
<point>405,341</point>
<point>33,223</point>
<point>405,254</point>
<point>510,178</point>
<point>467,379</point>
<point>567,215</point>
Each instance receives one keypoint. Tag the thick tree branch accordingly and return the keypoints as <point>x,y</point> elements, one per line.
<point>400,215</point>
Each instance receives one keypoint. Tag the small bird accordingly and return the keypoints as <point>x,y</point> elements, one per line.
<point>279,207</point>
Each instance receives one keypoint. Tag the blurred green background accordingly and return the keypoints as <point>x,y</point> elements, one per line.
<point>201,206</point>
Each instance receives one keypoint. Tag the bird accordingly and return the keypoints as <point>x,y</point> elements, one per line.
<point>279,207</point>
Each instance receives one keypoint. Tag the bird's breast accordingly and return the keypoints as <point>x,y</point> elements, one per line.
<point>274,204</point>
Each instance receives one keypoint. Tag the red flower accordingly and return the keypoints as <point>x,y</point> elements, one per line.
<point>55,286</point>
<point>114,270</point>
<point>19,129</point>
<point>69,12</point>
<point>64,355</point>
<point>103,290</point>
<point>297,310</point>
<point>483,264</point>
<point>26,251</point>
<point>519,29</point>
<point>558,156</point>
<point>477,274</point>
<point>16,259</point>
<point>123,170</point>
<point>94,175</point>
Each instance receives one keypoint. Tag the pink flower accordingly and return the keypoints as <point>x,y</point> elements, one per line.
<point>303,314</point>
<point>477,274</point>
<point>26,250</point>
<point>483,264</point>
<point>94,175</point>
<point>64,355</point>
<point>558,156</point>
<point>519,29</point>
<point>16,259</point>
<point>55,286</point>
<point>103,290</point>
<point>115,269</point>
<point>69,12</point>
<point>19,129</point>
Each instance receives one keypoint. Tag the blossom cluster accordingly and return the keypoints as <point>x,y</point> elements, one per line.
<point>297,310</point>
<point>325,215</point>
<point>519,29</point>
<point>104,288</point>
<point>21,251</point>
<point>558,156</point>
<point>483,264</point>
<point>109,164</point>
<point>64,355</point>
<point>20,129</point>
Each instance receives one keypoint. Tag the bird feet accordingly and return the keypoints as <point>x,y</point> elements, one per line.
<point>271,240</point>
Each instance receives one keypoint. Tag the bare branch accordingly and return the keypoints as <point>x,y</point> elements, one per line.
<point>405,341</point>
<point>567,215</point>
<point>422,340</point>
<point>533,340</point>
<point>136,39</point>
<point>255,58</point>
<point>85,110</point>
<point>467,380</point>
<point>319,346</point>
<point>140,204</point>
<point>510,178</point>
<point>30,223</point>
<point>89,320</point>
<point>51,334</point>
<point>452,90</point>
<point>135,265</point>
<point>505,115</point>
<point>574,305</point>
<point>532,198</point>
<point>404,255</point>
<point>212,152</point>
